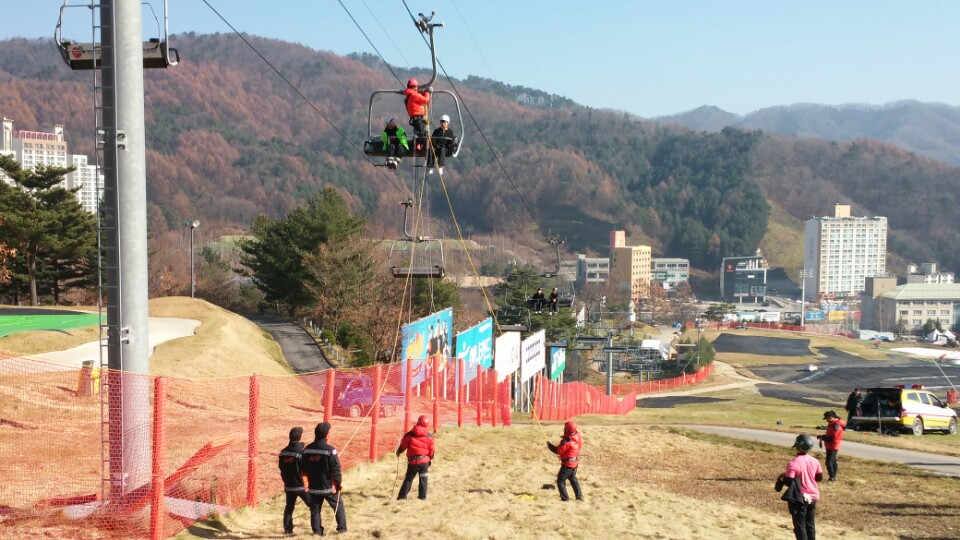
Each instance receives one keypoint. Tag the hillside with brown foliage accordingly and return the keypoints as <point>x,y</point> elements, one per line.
<point>228,139</point>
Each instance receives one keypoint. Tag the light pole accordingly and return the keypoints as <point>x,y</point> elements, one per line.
<point>804,274</point>
<point>193,277</point>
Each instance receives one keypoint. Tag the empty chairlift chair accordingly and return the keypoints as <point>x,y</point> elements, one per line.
<point>416,256</point>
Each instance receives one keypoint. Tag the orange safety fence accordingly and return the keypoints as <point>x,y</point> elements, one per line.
<point>182,450</point>
<point>664,384</point>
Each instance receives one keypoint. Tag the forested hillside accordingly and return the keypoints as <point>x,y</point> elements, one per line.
<point>228,140</point>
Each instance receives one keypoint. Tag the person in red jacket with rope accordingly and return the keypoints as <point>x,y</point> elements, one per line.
<point>416,103</point>
<point>831,441</point>
<point>569,453</point>
<point>420,446</point>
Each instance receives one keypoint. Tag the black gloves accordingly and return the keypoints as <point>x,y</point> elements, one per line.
<point>552,447</point>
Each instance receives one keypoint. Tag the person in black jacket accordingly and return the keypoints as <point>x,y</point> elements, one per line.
<point>538,300</point>
<point>854,400</point>
<point>322,467</point>
<point>554,301</point>
<point>442,140</point>
<point>292,474</point>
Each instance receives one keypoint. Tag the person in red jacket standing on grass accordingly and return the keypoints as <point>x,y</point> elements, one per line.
<point>831,441</point>
<point>420,446</point>
<point>569,453</point>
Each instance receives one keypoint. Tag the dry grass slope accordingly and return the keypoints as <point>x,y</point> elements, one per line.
<point>638,481</point>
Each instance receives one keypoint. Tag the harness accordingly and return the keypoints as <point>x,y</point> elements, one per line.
<point>415,460</point>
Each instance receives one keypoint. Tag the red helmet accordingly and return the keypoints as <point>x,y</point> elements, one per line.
<point>412,82</point>
<point>422,421</point>
<point>569,428</point>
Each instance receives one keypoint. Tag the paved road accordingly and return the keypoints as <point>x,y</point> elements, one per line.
<point>297,346</point>
<point>945,465</point>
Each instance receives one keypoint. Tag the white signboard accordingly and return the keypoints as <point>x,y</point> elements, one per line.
<point>533,357</point>
<point>506,355</point>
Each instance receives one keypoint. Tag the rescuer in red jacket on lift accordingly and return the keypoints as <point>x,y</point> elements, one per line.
<point>569,453</point>
<point>420,446</point>
<point>416,103</point>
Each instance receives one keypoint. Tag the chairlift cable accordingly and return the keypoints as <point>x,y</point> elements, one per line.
<point>400,52</point>
<point>395,76</point>
<point>403,189</point>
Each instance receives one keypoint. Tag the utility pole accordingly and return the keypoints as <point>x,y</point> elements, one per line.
<point>609,363</point>
<point>804,274</point>
<point>193,275</point>
<point>128,351</point>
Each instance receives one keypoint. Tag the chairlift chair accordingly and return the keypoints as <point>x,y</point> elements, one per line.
<point>373,145</point>
<point>565,289</point>
<point>416,256</point>
<point>157,52</point>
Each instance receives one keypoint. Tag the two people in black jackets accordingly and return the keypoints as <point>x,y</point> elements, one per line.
<point>319,465</point>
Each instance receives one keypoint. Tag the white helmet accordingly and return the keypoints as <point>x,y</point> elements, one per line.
<point>445,118</point>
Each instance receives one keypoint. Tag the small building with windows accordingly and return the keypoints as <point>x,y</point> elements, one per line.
<point>743,279</point>
<point>906,308</point>
<point>592,270</point>
<point>669,272</point>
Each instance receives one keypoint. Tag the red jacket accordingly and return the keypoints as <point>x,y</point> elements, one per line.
<point>419,443</point>
<point>834,435</point>
<point>415,102</point>
<point>569,448</point>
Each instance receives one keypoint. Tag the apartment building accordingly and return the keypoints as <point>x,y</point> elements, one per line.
<point>840,252</point>
<point>35,148</point>
<point>629,266</point>
<point>927,273</point>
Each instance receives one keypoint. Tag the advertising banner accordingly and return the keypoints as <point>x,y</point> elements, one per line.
<point>475,346</point>
<point>533,357</point>
<point>837,316</point>
<point>506,355</point>
<point>558,360</point>
<point>426,341</point>
<point>813,315</point>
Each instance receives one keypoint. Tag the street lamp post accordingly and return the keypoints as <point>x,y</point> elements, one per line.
<point>193,277</point>
<point>804,274</point>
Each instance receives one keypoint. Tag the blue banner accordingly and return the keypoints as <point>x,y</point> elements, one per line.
<point>425,341</point>
<point>813,315</point>
<point>475,347</point>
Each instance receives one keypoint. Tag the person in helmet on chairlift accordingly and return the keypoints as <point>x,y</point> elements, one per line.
<point>801,477</point>
<point>442,141</point>
<point>416,103</point>
<point>394,142</point>
<point>569,453</point>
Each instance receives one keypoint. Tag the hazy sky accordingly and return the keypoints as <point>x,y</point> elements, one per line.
<point>646,57</point>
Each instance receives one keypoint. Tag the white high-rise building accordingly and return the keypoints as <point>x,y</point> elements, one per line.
<point>34,148</point>
<point>839,252</point>
<point>85,178</point>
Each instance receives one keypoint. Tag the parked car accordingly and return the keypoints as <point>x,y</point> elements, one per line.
<point>354,396</point>
<point>913,410</point>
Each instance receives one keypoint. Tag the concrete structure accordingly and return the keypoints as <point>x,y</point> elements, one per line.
<point>906,308</point>
<point>87,180</point>
<point>669,272</point>
<point>629,266</point>
<point>592,270</point>
<point>743,279</point>
<point>842,251</point>
<point>927,273</point>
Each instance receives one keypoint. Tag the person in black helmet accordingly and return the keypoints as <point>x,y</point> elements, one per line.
<point>292,474</point>
<point>322,467</point>
<point>801,477</point>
